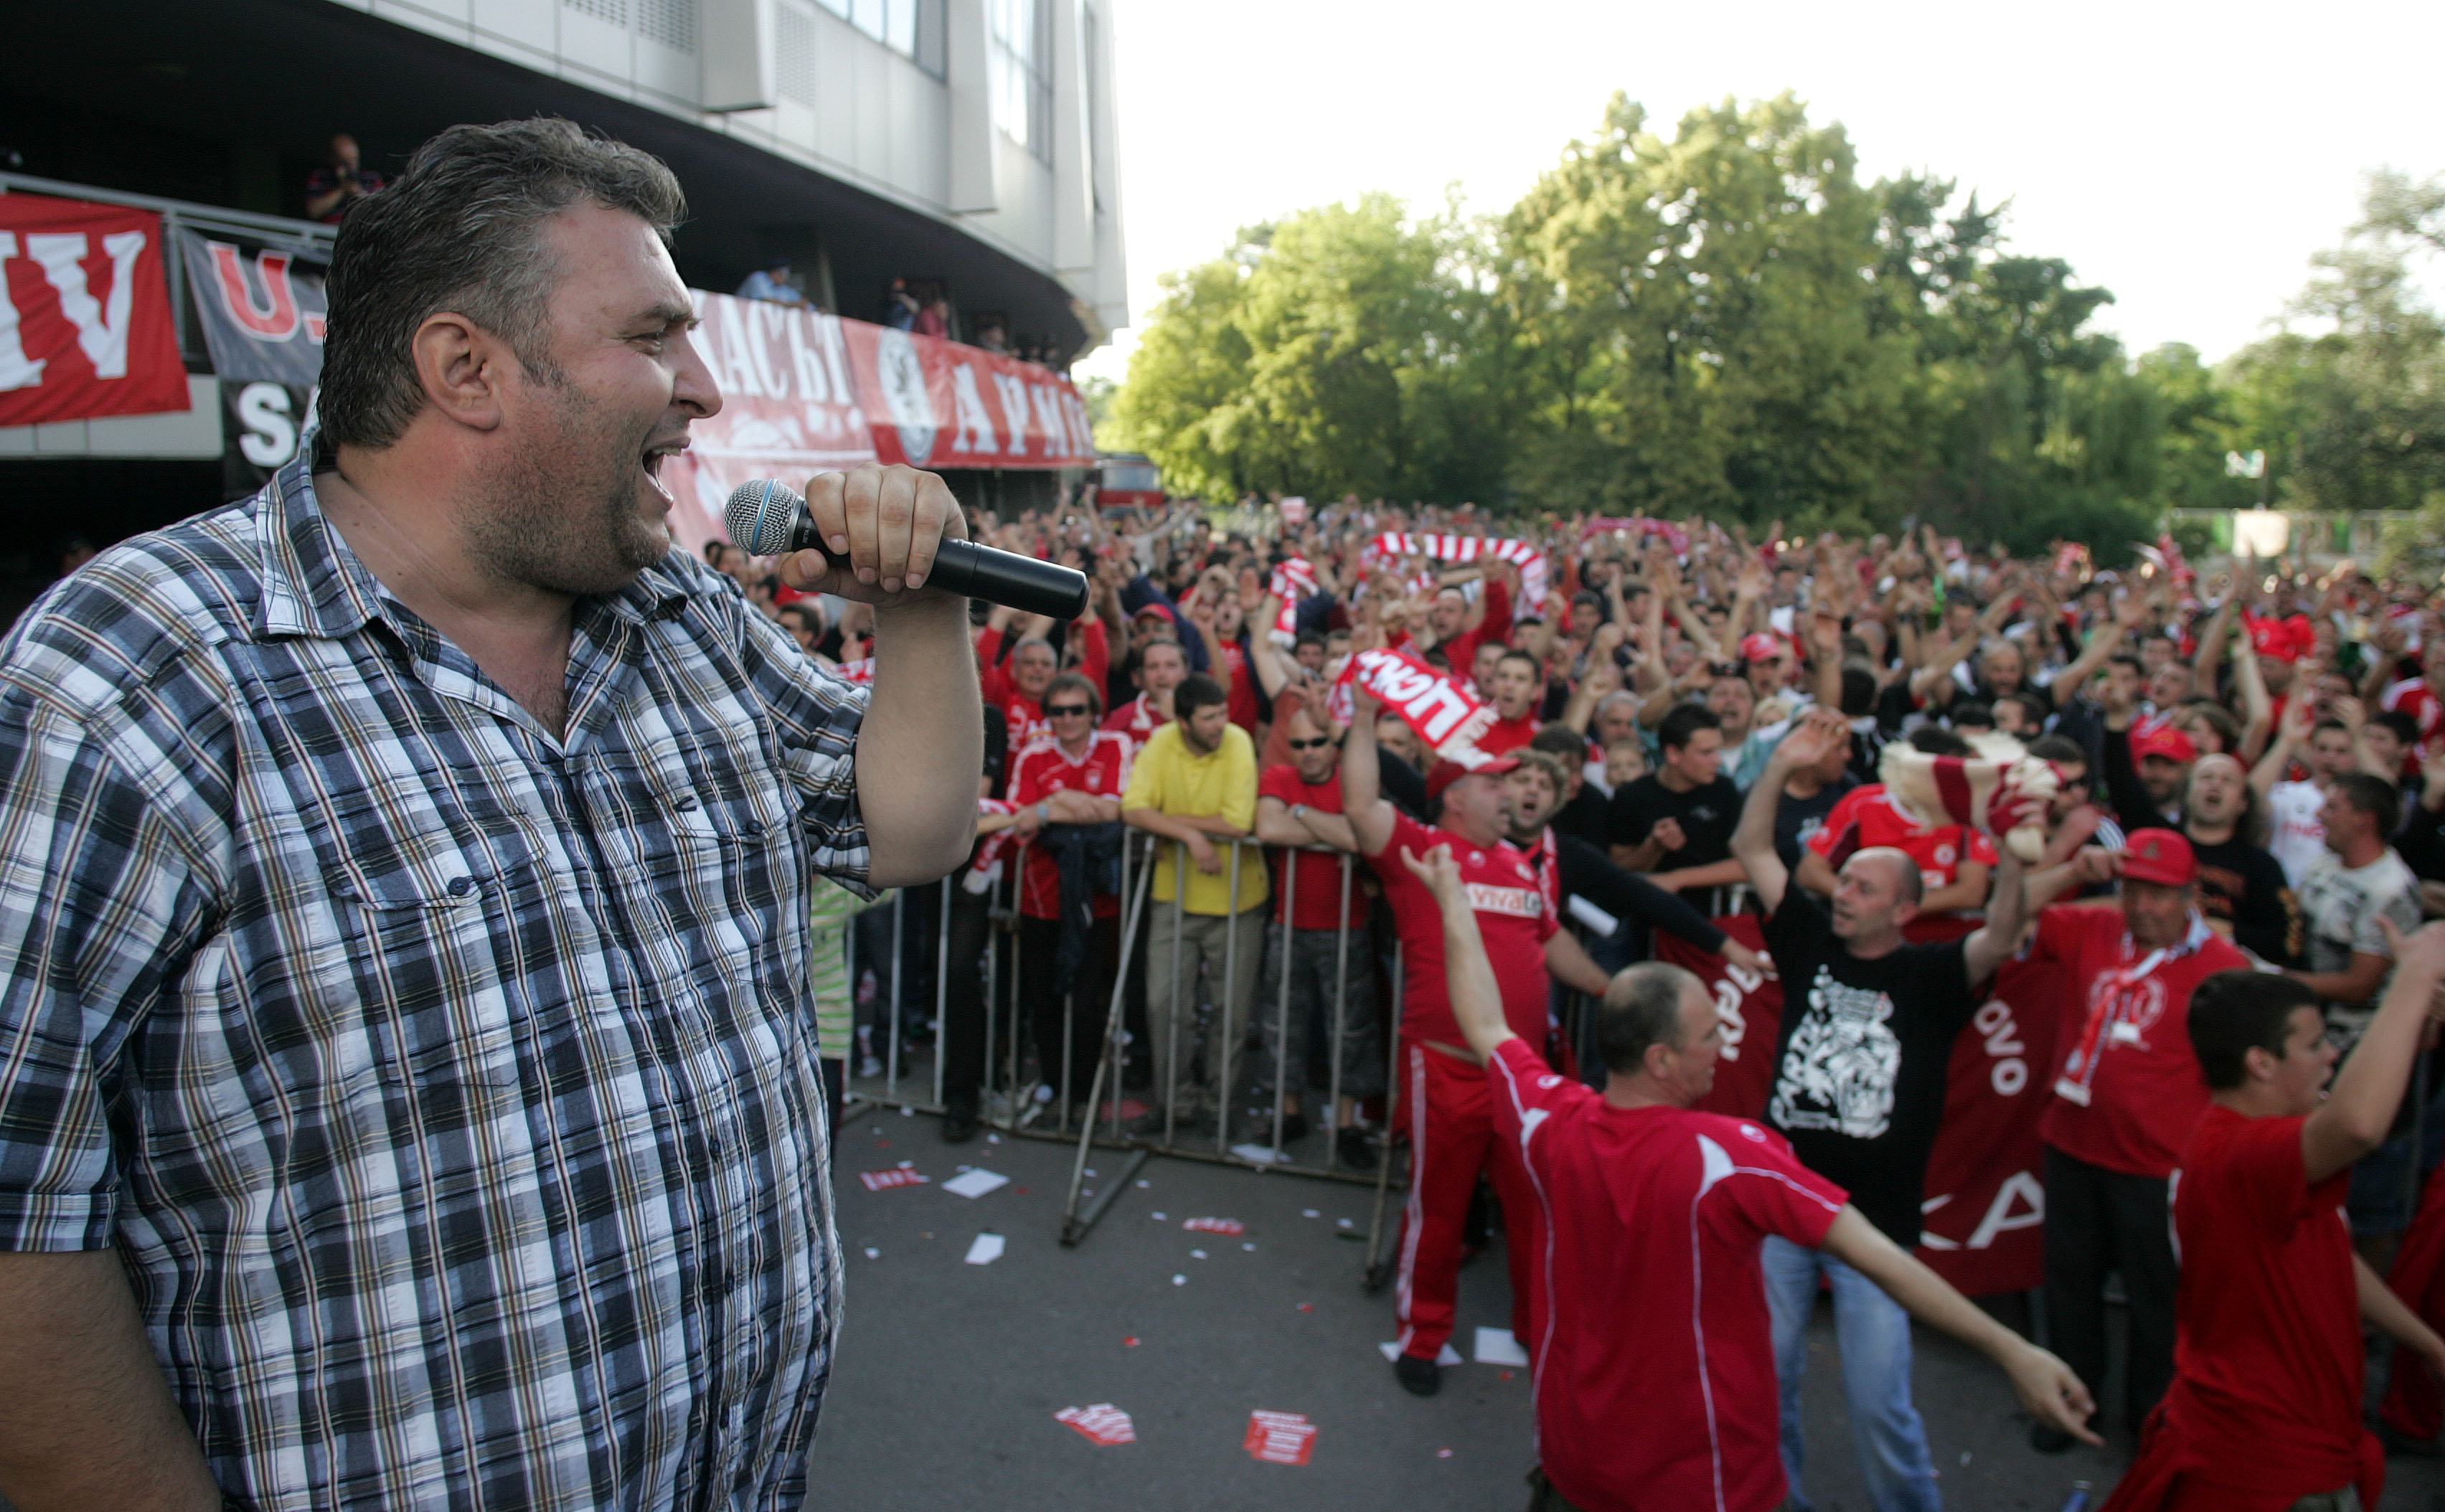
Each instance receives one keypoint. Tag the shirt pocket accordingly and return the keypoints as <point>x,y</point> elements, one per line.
<point>436,932</point>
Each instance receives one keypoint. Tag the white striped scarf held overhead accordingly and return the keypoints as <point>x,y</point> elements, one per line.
<point>1530,561</point>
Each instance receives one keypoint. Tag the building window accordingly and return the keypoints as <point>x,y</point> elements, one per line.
<point>1021,61</point>
<point>912,28</point>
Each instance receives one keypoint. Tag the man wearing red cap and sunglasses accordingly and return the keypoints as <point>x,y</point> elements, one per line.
<point>2129,1094</point>
<point>1444,1092</point>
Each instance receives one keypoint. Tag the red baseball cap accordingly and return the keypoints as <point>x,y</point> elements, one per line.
<point>1444,773</point>
<point>2274,637</point>
<point>1759,647</point>
<point>2163,741</point>
<point>2160,856</point>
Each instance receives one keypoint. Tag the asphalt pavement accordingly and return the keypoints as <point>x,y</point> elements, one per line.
<point>950,1374</point>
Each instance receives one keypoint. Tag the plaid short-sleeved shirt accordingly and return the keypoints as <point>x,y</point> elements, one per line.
<point>450,1089</point>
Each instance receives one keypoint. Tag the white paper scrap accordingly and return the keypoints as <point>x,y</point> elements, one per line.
<point>988,1248</point>
<point>1495,1346</point>
<point>1261,1154</point>
<point>1196,1254</point>
<point>1180,1280</point>
<point>976,1183</point>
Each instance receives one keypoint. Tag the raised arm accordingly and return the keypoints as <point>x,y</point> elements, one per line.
<point>2360,1103</point>
<point>1811,739</point>
<point>2290,735</point>
<point>1468,977</point>
<point>1993,942</point>
<point>1362,801</point>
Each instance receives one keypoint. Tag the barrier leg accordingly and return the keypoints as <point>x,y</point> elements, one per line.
<point>941,979</point>
<point>1340,1020</point>
<point>1171,1008</point>
<point>899,976</point>
<point>1075,1224</point>
<point>1379,1267</point>
<point>1283,960</point>
<point>1227,1046</point>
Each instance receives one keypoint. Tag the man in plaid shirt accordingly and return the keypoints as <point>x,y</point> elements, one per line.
<point>407,1051</point>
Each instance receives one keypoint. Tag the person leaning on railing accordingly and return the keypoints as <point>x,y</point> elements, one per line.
<point>1194,783</point>
<point>1319,936</point>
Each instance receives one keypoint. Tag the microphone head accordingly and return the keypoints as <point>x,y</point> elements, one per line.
<point>760,514</point>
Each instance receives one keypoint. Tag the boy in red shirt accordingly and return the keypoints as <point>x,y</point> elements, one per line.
<point>1654,1379</point>
<point>2263,1413</point>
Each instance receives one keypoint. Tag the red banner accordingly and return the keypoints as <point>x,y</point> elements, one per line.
<point>1984,1205</point>
<point>936,403</point>
<point>803,393</point>
<point>85,313</point>
<point>790,408</point>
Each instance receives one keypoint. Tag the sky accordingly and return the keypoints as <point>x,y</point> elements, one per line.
<point>2189,158</point>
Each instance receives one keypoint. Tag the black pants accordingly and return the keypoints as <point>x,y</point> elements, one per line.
<point>1040,942</point>
<point>963,998</point>
<point>2100,1221</point>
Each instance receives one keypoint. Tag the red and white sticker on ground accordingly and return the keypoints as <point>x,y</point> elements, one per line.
<point>1215,1225</point>
<point>1280,1438</point>
<point>1102,1425</point>
<point>897,1176</point>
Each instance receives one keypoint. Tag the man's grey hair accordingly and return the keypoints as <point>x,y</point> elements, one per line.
<point>461,232</point>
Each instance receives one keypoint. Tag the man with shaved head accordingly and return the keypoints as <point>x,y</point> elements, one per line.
<point>1868,1025</point>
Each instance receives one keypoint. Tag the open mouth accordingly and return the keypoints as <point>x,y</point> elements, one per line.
<point>650,461</point>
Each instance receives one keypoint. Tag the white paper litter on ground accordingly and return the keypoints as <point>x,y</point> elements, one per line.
<point>988,1248</point>
<point>1495,1346</point>
<point>976,1183</point>
<point>1261,1154</point>
<point>1180,1280</point>
<point>1196,1254</point>
<point>1449,1356</point>
<point>871,1253</point>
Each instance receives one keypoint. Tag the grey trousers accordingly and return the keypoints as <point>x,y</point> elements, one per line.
<point>1328,976</point>
<point>1227,947</point>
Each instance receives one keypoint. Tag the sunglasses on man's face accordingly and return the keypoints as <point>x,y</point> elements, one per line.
<point>1311,745</point>
<point>1062,711</point>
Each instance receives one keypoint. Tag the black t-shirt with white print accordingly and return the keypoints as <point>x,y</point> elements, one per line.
<point>1859,1065</point>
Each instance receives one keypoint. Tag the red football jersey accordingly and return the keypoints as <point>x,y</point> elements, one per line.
<point>1043,769</point>
<point>1319,874</point>
<point>2268,1358</point>
<point>2130,1091</point>
<point>1654,1382</point>
<point>1511,914</point>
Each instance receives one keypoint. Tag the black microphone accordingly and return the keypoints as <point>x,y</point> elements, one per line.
<point>767,519</point>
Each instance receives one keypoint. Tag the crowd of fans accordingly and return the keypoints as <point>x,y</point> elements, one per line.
<point>2251,763</point>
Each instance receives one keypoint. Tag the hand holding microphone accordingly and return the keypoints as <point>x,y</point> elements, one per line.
<point>882,531</point>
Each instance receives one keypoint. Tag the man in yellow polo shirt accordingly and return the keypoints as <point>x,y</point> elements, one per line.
<point>1194,783</point>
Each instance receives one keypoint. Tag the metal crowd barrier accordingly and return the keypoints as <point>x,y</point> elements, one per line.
<point>1017,1104</point>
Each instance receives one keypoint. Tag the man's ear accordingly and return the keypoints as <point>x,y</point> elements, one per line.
<point>462,368</point>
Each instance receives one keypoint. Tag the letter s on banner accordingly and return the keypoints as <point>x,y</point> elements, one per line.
<point>268,438</point>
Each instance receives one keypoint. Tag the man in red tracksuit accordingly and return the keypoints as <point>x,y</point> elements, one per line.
<point>1444,1092</point>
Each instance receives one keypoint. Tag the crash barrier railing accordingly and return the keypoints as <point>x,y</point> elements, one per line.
<point>1163,1116</point>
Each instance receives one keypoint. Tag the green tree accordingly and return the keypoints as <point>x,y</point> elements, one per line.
<point>2352,407</point>
<point>1318,357</point>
